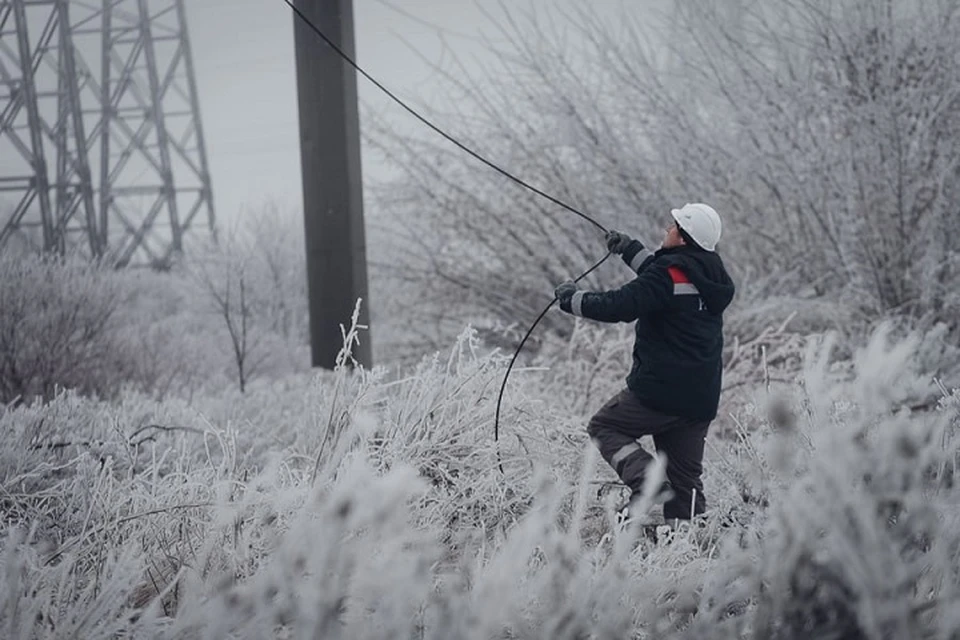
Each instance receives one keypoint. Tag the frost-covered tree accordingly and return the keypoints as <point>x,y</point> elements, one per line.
<point>825,133</point>
<point>253,281</point>
<point>831,134</point>
<point>278,258</point>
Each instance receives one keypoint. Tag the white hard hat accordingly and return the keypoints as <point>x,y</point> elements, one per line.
<point>700,222</point>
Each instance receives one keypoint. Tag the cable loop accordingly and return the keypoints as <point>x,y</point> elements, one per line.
<point>503,385</point>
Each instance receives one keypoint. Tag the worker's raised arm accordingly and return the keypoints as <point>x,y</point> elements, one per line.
<point>648,292</point>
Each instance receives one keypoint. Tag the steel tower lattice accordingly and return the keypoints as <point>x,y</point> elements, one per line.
<point>107,159</point>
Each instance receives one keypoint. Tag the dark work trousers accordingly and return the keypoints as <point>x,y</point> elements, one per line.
<point>618,425</point>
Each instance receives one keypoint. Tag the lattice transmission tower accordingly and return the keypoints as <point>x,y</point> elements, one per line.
<point>105,158</point>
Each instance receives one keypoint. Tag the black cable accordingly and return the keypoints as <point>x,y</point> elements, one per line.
<point>495,167</point>
<point>503,385</point>
<point>437,129</point>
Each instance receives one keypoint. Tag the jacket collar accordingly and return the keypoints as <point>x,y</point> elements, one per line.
<point>684,248</point>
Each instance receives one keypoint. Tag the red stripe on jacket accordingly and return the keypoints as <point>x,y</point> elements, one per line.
<point>677,275</point>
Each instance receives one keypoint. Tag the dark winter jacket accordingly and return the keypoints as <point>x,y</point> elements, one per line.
<point>677,301</point>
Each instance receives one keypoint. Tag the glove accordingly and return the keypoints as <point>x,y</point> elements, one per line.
<point>616,242</point>
<point>565,291</point>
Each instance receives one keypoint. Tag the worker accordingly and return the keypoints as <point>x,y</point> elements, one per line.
<point>673,389</point>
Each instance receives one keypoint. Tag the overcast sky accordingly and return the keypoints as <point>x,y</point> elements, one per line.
<point>243,51</point>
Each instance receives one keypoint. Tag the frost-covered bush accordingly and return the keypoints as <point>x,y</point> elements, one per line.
<point>58,322</point>
<point>860,539</point>
<point>172,346</point>
<point>66,323</point>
